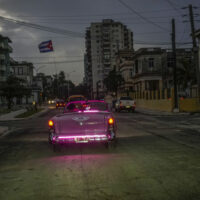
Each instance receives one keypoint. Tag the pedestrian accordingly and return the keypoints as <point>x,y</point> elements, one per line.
<point>109,100</point>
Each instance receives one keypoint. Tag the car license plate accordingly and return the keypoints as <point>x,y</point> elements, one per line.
<point>81,140</point>
<point>127,106</point>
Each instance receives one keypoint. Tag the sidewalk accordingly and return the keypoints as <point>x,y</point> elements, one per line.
<point>11,116</point>
<point>4,130</point>
<point>158,113</point>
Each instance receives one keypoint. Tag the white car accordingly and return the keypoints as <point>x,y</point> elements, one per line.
<point>125,103</point>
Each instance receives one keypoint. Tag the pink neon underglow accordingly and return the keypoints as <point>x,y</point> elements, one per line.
<point>91,111</point>
<point>82,136</point>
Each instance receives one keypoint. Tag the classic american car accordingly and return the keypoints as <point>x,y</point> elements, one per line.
<point>83,122</point>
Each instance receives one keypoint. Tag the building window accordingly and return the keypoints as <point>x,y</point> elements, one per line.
<point>151,62</point>
<point>20,71</point>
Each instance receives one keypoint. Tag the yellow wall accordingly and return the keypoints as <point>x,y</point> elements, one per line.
<point>189,105</point>
<point>185,105</point>
<point>159,105</point>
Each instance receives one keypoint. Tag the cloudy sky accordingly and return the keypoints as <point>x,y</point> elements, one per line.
<point>151,25</point>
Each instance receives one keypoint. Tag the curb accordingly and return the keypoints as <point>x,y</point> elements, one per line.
<point>162,114</point>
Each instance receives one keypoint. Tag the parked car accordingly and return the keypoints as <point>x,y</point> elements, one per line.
<point>83,122</point>
<point>125,103</point>
<point>60,104</point>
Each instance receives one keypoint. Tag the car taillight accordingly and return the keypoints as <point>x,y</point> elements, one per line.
<point>57,104</point>
<point>51,123</point>
<point>110,121</point>
<point>120,103</point>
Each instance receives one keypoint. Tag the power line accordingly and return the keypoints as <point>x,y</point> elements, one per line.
<point>141,16</point>
<point>91,15</point>
<point>59,62</point>
<point>44,28</point>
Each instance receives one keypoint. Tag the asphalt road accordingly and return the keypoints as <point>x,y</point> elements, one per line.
<point>156,158</point>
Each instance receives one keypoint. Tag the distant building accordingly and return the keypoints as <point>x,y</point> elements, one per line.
<point>124,66</point>
<point>5,50</point>
<point>103,40</point>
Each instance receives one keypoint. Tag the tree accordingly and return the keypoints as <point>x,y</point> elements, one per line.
<point>186,74</point>
<point>113,81</point>
<point>13,87</point>
<point>61,83</point>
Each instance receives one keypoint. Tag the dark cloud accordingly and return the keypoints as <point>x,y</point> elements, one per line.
<point>76,15</point>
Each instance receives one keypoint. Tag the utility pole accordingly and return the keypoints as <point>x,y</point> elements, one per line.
<point>173,37</point>
<point>195,48</point>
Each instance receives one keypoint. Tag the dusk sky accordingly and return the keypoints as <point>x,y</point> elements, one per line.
<point>76,15</point>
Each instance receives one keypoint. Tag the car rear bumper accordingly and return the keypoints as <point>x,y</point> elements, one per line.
<point>81,138</point>
<point>127,107</point>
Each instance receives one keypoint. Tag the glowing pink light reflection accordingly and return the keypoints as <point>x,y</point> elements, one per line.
<point>90,111</point>
<point>82,136</point>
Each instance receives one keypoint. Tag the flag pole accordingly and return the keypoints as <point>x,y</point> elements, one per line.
<point>56,72</point>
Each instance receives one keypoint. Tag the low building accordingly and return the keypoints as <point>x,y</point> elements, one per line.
<point>147,70</point>
<point>23,70</point>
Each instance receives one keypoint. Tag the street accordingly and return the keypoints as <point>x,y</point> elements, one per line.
<point>156,158</point>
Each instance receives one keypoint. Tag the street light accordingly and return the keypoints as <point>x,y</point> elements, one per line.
<point>68,81</point>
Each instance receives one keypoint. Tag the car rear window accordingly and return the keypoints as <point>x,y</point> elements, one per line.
<point>75,107</point>
<point>126,98</point>
<point>77,99</point>
<point>97,106</point>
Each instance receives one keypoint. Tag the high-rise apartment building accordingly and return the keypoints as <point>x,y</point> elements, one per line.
<point>5,50</point>
<point>103,40</point>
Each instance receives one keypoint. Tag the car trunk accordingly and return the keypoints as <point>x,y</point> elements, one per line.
<point>73,124</point>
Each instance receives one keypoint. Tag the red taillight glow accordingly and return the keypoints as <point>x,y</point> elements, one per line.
<point>51,123</point>
<point>111,121</point>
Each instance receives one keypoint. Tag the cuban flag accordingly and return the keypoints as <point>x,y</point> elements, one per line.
<point>45,46</point>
